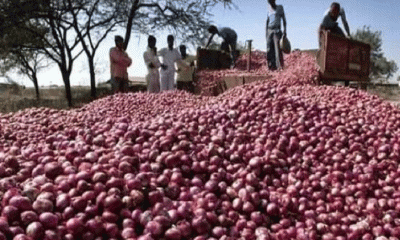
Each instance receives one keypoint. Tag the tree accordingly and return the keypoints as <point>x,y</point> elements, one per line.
<point>92,24</point>
<point>54,37</point>
<point>188,19</point>
<point>17,45</point>
<point>27,63</point>
<point>69,24</point>
<point>381,68</point>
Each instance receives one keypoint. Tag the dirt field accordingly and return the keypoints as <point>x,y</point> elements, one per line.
<point>390,93</point>
<point>12,101</point>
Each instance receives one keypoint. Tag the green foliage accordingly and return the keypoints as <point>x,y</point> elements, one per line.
<point>381,68</point>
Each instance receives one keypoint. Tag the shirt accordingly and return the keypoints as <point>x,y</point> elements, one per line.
<point>228,34</point>
<point>150,57</point>
<point>170,57</point>
<point>275,16</point>
<point>185,74</point>
<point>328,22</point>
<point>119,63</point>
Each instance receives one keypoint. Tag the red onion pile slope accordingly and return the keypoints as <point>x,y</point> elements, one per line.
<point>300,68</point>
<point>278,159</point>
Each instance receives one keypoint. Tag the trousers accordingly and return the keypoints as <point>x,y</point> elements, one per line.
<point>153,81</point>
<point>271,53</point>
<point>167,80</point>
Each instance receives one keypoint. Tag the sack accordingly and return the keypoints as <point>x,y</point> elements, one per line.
<point>285,45</point>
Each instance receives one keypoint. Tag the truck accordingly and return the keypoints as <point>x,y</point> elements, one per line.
<point>343,59</point>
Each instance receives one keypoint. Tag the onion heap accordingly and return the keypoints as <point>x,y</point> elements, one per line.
<point>275,159</point>
<point>300,68</point>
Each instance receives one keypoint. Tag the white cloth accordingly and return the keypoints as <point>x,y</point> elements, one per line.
<point>167,80</point>
<point>153,75</point>
<point>169,57</point>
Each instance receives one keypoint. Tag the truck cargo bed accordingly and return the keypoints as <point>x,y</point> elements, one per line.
<point>343,59</point>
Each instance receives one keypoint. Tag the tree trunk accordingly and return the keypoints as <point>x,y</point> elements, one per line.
<point>130,23</point>
<point>35,83</point>
<point>92,78</point>
<point>67,88</point>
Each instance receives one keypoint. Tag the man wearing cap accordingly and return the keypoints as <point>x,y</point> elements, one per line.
<point>276,14</point>
<point>119,63</point>
<point>331,16</point>
<point>229,42</point>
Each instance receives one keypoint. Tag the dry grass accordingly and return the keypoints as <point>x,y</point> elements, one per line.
<point>12,101</point>
<point>390,93</point>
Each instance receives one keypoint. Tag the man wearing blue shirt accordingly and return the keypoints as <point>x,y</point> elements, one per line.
<point>331,16</point>
<point>229,38</point>
<point>276,14</point>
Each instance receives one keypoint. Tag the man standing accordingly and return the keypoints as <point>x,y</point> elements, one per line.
<point>153,65</point>
<point>229,37</point>
<point>119,63</point>
<point>276,14</point>
<point>184,80</point>
<point>169,56</point>
<point>330,20</point>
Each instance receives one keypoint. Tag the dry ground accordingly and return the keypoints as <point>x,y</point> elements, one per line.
<point>11,101</point>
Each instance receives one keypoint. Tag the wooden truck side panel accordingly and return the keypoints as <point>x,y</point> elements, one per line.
<point>340,58</point>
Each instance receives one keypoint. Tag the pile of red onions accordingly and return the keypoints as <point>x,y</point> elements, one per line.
<point>277,159</point>
<point>299,69</point>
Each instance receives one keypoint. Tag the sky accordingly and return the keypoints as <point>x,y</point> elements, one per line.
<point>248,20</point>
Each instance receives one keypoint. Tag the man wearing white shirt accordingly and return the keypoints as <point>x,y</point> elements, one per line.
<point>153,65</point>
<point>169,56</point>
<point>330,20</point>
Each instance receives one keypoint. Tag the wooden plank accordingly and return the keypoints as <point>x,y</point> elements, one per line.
<point>233,81</point>
<point>208,59</point>
<point>251,78</point>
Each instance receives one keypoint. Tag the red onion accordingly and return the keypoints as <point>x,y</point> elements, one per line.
<point>35,230</point>
<point>42,205</point>
<point>173,234</point>
<point>22,203</point>
<point>28,217</point>
<point>75,226</point>
<point>49,220</point>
